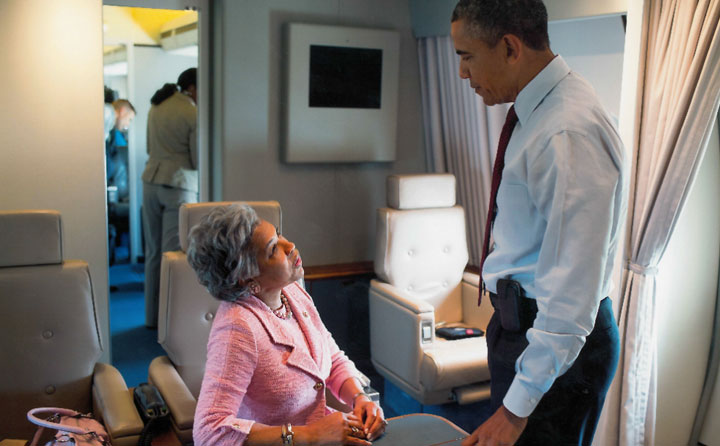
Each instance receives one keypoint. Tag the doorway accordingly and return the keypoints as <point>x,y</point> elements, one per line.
<point>144,48</point>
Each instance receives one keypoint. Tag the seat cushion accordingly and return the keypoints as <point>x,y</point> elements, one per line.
<point>422,251</point>
<point>421,191</point>
<point>449,364</point>
<point>30,238</point>
<point>186,317</point>
<point>50,335</point>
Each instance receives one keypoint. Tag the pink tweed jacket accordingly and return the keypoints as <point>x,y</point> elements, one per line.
<point>256,371</point>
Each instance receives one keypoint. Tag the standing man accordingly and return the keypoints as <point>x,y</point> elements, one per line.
<point>558,204</point>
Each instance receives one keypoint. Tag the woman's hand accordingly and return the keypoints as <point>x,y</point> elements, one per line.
<point>335,429</point>
<point>371,415</point>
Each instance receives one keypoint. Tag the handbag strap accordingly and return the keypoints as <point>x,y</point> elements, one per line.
<point>32,416</point>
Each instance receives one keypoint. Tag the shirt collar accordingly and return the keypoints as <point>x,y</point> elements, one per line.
<point>535,91</point>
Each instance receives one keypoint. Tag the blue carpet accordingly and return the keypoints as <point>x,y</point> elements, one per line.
<point>468,417</point>
<point>133,345</point>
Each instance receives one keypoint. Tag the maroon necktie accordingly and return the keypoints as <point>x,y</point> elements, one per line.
<point>507,130</point>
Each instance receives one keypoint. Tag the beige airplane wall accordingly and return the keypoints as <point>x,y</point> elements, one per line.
<point>51,125</point>
<point>328,209</point>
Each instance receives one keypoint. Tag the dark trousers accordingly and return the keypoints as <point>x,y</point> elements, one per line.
<point>568,413</point>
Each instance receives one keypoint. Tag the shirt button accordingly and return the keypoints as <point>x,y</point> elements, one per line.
<point>533,400</point>
<point>552,371</point>
<point>318,385</point>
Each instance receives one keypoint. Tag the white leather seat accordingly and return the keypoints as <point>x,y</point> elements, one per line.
<point>421,255</point>
<point>51,340</point>
<point>186,312</point>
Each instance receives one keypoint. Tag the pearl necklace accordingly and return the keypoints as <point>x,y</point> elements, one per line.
<point>284,312</point>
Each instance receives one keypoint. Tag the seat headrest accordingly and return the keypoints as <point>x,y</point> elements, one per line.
<point>192,213</point>
<point>421,191</point>
<point>30,238</point>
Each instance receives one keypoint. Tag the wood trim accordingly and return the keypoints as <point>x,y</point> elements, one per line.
<point>338,270</point>
<point>472,269</point>
<point>334,271</point>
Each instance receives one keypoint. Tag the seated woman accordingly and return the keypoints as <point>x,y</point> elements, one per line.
<point>269,355</point>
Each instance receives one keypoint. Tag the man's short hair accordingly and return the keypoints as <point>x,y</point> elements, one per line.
<point>123,103</point>
<point>490,20</point>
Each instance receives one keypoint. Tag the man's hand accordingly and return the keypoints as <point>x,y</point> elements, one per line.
<point>501,429</point>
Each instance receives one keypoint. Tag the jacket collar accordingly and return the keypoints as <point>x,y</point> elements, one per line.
<point>298,357</point>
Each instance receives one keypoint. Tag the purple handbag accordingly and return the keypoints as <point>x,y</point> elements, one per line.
<point>82,429</point>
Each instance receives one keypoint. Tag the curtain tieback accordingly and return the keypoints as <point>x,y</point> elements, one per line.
<point>642,270</point>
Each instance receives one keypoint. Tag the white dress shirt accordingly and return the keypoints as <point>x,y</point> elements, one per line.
<point>561,205</point>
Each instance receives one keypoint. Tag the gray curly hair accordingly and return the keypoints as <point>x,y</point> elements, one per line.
<point>489,20</point>
<point>221,251</point>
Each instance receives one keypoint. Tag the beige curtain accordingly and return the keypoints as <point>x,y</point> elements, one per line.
<point>461,133</point>
<point>680,96</point>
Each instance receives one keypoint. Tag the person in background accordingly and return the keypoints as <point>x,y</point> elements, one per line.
<point>558,202</point>
<point>269,356</point>
<point>170,177</point>
<point>118,116</point>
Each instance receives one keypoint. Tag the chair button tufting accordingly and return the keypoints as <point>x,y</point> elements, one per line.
<point>445,284</point>
<point>446,249</point>
<point>47,334</point>
<point>209,316</point>
<point>411,252</point>
<point>50,390</point>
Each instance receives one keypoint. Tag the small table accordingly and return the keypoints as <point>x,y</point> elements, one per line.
<point>406,430</point>
<point>420,430</point>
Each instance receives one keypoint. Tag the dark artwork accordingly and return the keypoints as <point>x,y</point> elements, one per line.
<point>344,77</point>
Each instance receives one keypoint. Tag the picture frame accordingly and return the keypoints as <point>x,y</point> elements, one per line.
<point>341,94</point>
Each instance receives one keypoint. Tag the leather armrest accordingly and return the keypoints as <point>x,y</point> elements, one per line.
<point>180,401</point>
<point>473,315</point>
<point>398,326</point>
<point>113,402</point>
<point>397,296</point>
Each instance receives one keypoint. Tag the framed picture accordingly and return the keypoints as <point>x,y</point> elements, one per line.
<point>341,94</point>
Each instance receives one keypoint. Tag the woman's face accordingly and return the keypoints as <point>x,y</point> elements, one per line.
<point>279,262</point>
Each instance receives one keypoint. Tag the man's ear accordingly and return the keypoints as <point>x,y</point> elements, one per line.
<point>513,48</point>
